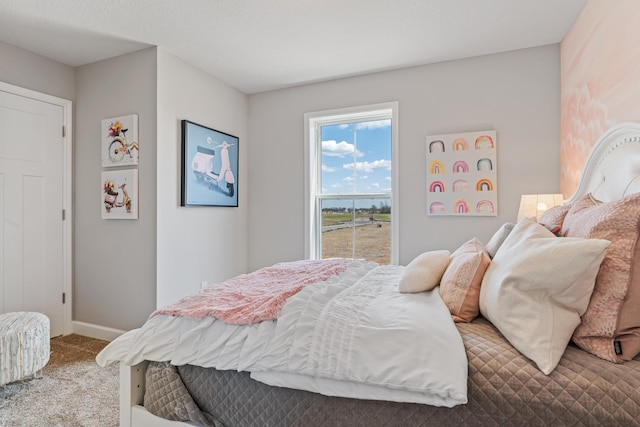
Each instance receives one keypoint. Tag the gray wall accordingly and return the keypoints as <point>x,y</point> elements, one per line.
<point>115,260</point>
<point>117,263</point>
<point>516,93</point>
<point>197,243</point>
<point>29,70</point>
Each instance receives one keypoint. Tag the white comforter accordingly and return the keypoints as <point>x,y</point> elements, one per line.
<point>356,338</point>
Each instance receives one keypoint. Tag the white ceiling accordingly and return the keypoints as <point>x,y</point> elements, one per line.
<point>259,45</point>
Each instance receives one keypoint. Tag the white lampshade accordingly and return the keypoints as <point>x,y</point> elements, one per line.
<point>534,205</point>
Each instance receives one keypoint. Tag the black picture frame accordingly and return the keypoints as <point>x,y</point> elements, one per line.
<point>209,166</point>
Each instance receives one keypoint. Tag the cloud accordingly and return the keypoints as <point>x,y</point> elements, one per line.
<point>369,166</point>
<point>333,148</point>
<point>377,124</point>
<point>332,187</point>
<point>326,168</point>
<point>379,188</point>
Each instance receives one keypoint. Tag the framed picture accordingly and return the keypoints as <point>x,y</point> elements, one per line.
<point>120,141</point>
<point>462,174</point>
<point>209,167</point>
<point>120,194</point>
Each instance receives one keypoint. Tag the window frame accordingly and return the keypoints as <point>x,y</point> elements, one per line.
<point>312,163</point>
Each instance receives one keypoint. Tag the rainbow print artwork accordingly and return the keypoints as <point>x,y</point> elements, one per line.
<point>461,206</point>
<point>484,185</point>
<point>460,167</point>
<point>460,185</point>
<point>462,174</point>
<point>484,140</point>
<point>436,167</point>
<point>436,187</point>
<point>485,206</point>
<point>460,144</point>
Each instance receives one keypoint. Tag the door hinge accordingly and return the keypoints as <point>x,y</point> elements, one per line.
<point>64,214</point>
<point>64,297</point>
<point>64,132</point>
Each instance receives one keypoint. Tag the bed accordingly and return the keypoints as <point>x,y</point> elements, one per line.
<point>546,332</point>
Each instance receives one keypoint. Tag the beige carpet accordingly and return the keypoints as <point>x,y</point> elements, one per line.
<point>74,392</point>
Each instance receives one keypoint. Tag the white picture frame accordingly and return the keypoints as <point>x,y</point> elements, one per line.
<point>119,194</point>
<point>119,139</point>
<point>462,174</point>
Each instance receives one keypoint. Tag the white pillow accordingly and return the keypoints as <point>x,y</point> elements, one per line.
<point>498,238</point>
<point>537,287</point>
<point>424,272</point>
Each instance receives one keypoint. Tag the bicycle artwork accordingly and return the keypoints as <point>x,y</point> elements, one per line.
<point>120,141</point>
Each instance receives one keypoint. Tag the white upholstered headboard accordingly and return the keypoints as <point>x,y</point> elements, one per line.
<point>612,170</point>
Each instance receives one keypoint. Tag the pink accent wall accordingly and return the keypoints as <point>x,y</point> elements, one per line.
<point>600,80</point>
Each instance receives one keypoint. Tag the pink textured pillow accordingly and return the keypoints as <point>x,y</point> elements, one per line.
<point>610,328</point>
<point>460,284</point>
<point>555,215</point>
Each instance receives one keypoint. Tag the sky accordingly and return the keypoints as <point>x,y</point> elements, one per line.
<point>356,157</point>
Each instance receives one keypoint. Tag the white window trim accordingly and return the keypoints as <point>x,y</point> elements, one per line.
<point>311,164</point>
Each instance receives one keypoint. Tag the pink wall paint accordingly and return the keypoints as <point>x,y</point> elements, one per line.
<point>600,80</point>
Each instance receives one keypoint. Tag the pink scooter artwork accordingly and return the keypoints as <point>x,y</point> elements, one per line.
<point>202,165</point>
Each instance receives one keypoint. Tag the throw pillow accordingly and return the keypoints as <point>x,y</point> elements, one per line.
<point>498,238</point>
<point>555,215</point>
<point>537,287</point>
<point>424,272</point>
<point>610,328</point>
<point>460,284</point>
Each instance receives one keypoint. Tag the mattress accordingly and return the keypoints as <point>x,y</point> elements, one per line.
<point>504,388</point>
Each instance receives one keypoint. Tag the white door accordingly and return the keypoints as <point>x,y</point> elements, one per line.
<point>31,203</point>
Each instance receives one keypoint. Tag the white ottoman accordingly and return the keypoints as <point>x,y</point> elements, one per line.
<point>24,345</point>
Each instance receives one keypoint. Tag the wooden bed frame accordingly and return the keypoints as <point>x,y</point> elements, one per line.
<point>611,172</point>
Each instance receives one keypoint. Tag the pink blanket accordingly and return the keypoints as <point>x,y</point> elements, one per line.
<point>258,296</point>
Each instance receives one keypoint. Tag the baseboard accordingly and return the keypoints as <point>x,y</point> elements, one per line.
<point>95,331</point>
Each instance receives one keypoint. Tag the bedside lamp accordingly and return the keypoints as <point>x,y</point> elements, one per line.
<point>534,205</point>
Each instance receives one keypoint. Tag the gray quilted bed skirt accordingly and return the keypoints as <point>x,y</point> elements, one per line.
<point>505,388</point>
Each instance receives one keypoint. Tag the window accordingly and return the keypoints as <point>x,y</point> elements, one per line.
<point>351,181</point>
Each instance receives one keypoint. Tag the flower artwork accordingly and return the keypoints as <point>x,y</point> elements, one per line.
<point>120,194</point>
<point>119,138</point>
<point>462,174</point>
